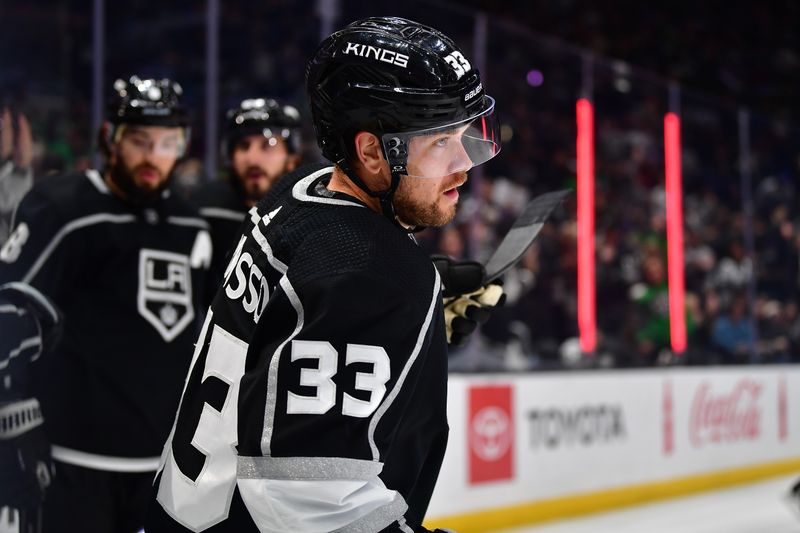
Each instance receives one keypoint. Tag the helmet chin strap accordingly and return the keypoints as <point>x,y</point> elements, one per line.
<point>385,197</point>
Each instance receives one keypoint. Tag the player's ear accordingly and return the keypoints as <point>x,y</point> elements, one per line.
<point>369,153</point>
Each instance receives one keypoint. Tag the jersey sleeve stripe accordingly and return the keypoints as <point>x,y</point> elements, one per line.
<point>104,462</point>
<point>267,249</point>
<point>272,374</point>
<point>226,214</point>
<point>423,332</point>
<point>69,228</point>
<point>188,221</point>
<point>307,468</point>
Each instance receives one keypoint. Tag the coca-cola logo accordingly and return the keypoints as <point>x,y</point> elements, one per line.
<point>725,417</point>
<point>491,433</point>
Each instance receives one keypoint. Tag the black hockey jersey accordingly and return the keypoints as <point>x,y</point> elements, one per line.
<point>316,399</point>
<point>127,282</point>
<point>223,207</point>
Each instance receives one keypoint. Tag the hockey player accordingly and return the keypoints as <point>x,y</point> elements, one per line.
<point>123,259</point>
<point>261,143</point>
<point>317,393</point>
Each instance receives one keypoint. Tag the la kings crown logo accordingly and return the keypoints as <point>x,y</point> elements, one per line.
<point>165,291</point>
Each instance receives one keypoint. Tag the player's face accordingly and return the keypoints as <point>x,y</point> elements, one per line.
<point>147,154</point>
<point>428,195</point>
<point>258,161</point>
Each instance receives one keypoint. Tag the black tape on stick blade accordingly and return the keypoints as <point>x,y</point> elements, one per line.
<point>523,233</point>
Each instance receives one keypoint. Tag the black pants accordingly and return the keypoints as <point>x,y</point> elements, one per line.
<point>96,501</point>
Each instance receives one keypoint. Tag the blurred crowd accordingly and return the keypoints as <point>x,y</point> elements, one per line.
<point>742,238</point>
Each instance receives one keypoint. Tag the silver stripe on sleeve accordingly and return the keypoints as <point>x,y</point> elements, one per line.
<point>225,214</point>
<point>267,249</point>
<point>67,229</point>
<point>307,468</point>
<point>272,374</point>
<point>378,519</point>
<point>376,418</point>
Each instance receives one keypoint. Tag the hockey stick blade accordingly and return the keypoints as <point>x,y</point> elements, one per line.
<point>522,233</point>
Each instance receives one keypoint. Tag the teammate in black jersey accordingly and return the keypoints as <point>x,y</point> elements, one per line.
<point>261,142</point>
<point>316,399</point>
<point>123,259</point>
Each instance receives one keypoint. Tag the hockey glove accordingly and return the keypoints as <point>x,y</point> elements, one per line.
<point>29,323</point>
<point>468,299</point>
<point>26,468</point>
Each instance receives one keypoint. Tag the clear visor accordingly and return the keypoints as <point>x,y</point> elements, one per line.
<point>445,150</point>
<point>156,140</point>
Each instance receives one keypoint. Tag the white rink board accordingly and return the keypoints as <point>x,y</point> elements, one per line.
<point>578,432</point>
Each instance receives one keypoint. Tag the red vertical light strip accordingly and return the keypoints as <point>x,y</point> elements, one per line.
<point>587,325</point>
<point>675,267</point>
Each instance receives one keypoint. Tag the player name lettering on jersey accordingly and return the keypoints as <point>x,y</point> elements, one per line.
<point>381,54</point>
<point>247,277</point>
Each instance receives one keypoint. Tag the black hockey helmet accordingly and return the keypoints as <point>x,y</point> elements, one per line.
<point>262,116</point>
<point>146,102</point>
<point>396,78</point>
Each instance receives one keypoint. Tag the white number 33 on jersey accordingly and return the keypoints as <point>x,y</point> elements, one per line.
<point>459,63</point>
<point>321,379</point>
